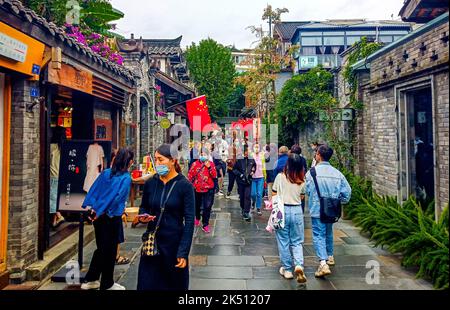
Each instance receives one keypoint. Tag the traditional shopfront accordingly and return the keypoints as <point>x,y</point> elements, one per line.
<point>60,86</point>
<point>84,107</point>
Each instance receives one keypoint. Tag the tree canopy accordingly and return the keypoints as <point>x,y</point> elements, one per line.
<point>212,71</point>
<point>301,99</point>
<point>94,15</point>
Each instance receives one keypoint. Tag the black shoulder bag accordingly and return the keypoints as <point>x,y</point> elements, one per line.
<point>149,247</point>
<point>330,208</point>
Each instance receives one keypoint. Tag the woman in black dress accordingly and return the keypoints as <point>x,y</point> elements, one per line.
<point>170,269</point>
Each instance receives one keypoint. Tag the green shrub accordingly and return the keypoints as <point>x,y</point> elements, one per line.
<point>408,229</point>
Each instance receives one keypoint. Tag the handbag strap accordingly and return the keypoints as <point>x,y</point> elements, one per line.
<point>163,206</point>
<point>314,176</point>
<point>198,173</point>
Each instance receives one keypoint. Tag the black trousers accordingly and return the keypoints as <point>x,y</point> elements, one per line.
<point>204,201</point>
<point>231,180</point>
<point>106,237</point>
<point>245,197</point>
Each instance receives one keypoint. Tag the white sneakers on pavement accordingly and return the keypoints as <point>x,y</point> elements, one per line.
<point>94,285</point>
<point>286,274</point>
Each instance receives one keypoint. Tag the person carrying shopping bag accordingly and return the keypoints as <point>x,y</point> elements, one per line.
<point>290,185</point>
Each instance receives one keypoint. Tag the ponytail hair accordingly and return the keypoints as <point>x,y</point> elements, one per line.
<point>177,166</point>
<point>171,153</point>
<point>121,161</point>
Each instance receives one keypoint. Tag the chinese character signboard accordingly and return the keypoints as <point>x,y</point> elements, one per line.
<point>12,48</point>
<point>81,163</point>
<point>19,52</point>
<point>71,77</point>
<point>308,61</point>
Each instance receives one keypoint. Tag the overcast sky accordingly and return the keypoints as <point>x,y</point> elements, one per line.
<point>226,20</point>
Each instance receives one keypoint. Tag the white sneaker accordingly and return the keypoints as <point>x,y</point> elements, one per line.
<point>117,287</point>
<point>94,285</point>
<point>323,270</point>
<point>300,274</point>
<point>286,274</point>
<point>330,261</point>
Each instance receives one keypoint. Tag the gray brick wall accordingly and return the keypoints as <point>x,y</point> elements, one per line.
<point>380,142</point>
<point>442,128</point>
<point>24,186</point>
<point>393,65</point>
<point>376,144</point>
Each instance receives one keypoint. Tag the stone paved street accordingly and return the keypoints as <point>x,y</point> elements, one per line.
<point>243,256</point>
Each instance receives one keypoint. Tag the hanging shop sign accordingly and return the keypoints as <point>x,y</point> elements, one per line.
<point>75,175</point>
<point>19,52</point>
<point>103,129</point>
<point>71,77</point>
<point>165,123</point>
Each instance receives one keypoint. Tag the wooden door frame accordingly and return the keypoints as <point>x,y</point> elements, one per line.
<point>44,173</point>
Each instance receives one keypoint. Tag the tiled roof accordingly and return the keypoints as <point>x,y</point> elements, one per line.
<point>287,29</point>
<point>153,46</point>
<point>352,23</point>
<point>163,46</point>
<point>15,7</point>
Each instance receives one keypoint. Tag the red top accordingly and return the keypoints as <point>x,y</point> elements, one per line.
<point>202,177</point>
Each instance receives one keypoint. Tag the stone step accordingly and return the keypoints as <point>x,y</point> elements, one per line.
<point>56,257</point>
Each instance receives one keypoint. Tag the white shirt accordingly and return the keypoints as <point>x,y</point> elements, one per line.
<point>291,192</point>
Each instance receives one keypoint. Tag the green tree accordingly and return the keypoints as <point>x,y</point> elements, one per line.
<point>236,99</point>
<point>212,71</point>
<point>95,15</point>
<point>265,63</point>
<point>361,50</point>
<point>52,10</point>
<point>300,101</point>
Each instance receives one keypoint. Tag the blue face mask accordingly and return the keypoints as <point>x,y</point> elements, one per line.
<point>203,159</point>
<point>162,170</point>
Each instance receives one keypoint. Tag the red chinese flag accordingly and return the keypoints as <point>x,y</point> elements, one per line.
<point>197,110</point>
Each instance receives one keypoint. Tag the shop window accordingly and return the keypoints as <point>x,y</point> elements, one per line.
<point>311,41</point>
<point>333,41</point>
<point>352,40</point>
<point>386,39</point>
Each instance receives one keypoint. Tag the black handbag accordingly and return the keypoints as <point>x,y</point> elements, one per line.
<point>330,208</point>
<point>149,246</point>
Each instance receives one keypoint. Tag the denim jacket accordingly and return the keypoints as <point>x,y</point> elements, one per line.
<point>332,184</point>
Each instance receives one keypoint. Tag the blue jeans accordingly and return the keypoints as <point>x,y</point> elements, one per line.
<point>322,238</point>
<point>258,191</point>
<point>292,237</point>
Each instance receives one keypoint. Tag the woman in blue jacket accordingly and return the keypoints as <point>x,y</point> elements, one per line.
<point>107,198</point>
